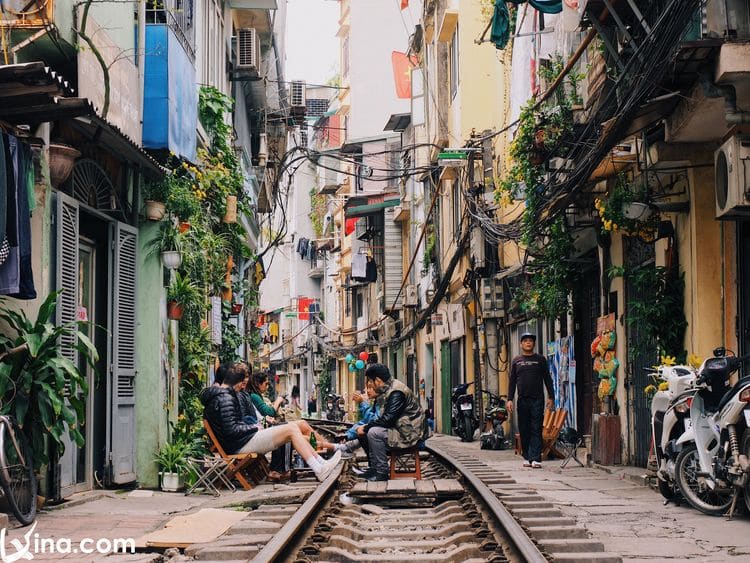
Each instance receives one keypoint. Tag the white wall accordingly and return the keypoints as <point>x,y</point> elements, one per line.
<point>377,29</point>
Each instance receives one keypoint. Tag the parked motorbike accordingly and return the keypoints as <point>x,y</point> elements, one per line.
<point>712,468</point>
<point>669,411</point>
<point>334,407</point>
<point>493,435</point>
<point>463,419</point>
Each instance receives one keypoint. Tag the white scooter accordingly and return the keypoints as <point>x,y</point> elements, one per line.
<point>669,413</point>
<point>712,468</point>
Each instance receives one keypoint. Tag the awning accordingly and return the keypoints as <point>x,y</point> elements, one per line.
<point>370,208</point>
<point>398,122</point>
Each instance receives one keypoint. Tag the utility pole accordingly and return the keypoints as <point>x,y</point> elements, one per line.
<point>490,322</point>
<point>479,348</point>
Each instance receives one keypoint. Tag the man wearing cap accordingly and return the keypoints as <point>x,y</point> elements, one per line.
<point>530,375</point>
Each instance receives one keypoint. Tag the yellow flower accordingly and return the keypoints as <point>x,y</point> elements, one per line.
<point>649,390</point>
<point>663,386</point>
<point>668,360</point>
<point>694,360</point>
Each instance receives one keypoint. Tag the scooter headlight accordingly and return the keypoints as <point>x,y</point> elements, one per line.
<point>683,407</point>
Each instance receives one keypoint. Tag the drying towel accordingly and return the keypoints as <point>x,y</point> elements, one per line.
<point>21,164</point>
<point>359,266</point>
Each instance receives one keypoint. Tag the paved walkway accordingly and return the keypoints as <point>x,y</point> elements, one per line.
<point>130,514</point>
<point>626,516</point>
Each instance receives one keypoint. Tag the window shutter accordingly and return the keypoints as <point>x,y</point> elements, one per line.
<point>66,270</point>
<point>66,278</point>
<point>122,433</point>
<point>392,264</point>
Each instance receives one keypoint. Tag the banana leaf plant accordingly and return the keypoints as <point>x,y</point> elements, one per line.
<point>41,388</point>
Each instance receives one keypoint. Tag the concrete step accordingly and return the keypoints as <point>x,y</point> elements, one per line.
<point>228,553</point>
<point>249,526</point>
<point>527,504</point>
<point>571,546</point>
<point>595,557</point>
<point>558,532</point>
<point>521,498</point>
<point>535,512</point>
<point>543,521</point>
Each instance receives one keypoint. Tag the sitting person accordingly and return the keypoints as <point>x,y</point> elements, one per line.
<point>400,423</point>
<point>257,387</point>
<point>368,411</point>
<point>222,411</point>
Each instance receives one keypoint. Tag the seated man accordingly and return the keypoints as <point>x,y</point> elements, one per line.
<point>400,423</point>
<point>222,410</point>
<point>368,412</point>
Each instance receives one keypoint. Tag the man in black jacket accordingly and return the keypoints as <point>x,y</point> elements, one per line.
<point>401,422</point>
<point>529,373</point>
<point>222,411</point>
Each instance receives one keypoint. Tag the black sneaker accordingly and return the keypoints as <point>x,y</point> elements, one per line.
<point>377,477</point>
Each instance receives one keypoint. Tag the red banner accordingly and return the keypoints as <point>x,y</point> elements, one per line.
<point>351,225</point>
<point>402,66</point>
<point>404,4</point>
<point>303,308</point>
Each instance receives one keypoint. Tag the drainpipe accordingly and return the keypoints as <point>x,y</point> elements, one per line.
<point>141,61</point>
<point>732,114</point>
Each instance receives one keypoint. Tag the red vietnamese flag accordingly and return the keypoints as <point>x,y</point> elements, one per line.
<point>404,4</point>
<point>303,308</point>
<point>351,225</point>
<point>402,66</point>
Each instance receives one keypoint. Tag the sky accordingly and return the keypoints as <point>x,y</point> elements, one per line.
<point>311,43</point>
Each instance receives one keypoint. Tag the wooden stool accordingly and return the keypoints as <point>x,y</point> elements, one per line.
<point>401,463</point>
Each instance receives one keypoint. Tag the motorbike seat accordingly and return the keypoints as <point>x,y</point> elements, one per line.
<point>729,394</point>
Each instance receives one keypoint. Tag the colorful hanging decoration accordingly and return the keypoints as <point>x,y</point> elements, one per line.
<point>603,352</point>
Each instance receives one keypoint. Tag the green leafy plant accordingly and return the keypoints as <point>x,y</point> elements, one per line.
<point>657,308</point>
<point>168,238</point>
<point>430,248</point>
<point>613,216</point>
<point>157,190</point>
<point>182,199</point>
<point>317,210</point>
<point>183,291</point>
<point>43,389</point>
<point>172,456</point>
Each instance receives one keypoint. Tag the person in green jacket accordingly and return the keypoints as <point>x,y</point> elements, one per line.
<point>257,387</point>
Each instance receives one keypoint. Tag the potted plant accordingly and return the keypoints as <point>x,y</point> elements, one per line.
<point>625,209</point>
<point>172,461</point>
<point>182,200</point>
<point>182,294</point>
<point>155,194</point>
<point>168,243</point>
<point>236,308</point>
<point>61,160</point>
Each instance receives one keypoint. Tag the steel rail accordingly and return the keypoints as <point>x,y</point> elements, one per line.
<point>520,539</point>
<point>275,548</point>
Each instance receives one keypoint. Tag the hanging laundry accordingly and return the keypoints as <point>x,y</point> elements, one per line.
<point>273,332</point>
<point>10,271</point>
<point>359,267</point>
<point>21,163</point>
<point>371,270</point>
<point>303,247</point>
<point>3,193</point>
<point>312,250</point>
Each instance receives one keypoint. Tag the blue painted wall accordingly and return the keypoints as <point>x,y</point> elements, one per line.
<point>170,113</point>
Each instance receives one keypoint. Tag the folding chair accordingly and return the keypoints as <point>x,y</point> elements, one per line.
<point>551,427</point>
<point>210,471</point>
<point>568,443</point>
<point>238,465</point>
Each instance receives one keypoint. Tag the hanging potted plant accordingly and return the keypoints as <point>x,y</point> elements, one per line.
<point>626,210</point>
<point>182,200</point>
<point>61,160</point>
<point>172,461</point>
<point>155,194</point>
<point>231,213</point>
<point>168,243</point>
<point>236,308</point>
<point>181,294</point>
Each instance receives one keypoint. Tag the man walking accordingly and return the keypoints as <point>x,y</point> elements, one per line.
<point>530,375</point>
<point>400,424</point>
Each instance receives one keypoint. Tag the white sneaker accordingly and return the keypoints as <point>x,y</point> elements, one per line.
<point>526,463</point>
<point>328,467</point>
<point>536,465</point>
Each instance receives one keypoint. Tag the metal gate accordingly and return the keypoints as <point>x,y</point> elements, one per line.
<point>641,351</point>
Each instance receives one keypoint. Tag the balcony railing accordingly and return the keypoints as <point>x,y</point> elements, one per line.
<point>179,16</point>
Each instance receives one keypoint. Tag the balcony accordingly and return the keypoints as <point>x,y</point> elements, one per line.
<point>317,267</point>
<point>170,97</point>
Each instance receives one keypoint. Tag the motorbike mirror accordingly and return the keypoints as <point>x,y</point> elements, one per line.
<point>720,351</point>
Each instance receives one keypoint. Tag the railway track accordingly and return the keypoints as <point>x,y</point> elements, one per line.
<point>462,510</point>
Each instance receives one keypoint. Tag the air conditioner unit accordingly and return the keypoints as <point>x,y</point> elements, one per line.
<point>297,96</point>
<point>411,298</point>
<point>731,163</point>
<point>248,49</point>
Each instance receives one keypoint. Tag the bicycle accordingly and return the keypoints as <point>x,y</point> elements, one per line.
<point>17,478</point>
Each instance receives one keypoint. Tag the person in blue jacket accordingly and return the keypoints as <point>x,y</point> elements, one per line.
<point>368,411</point>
